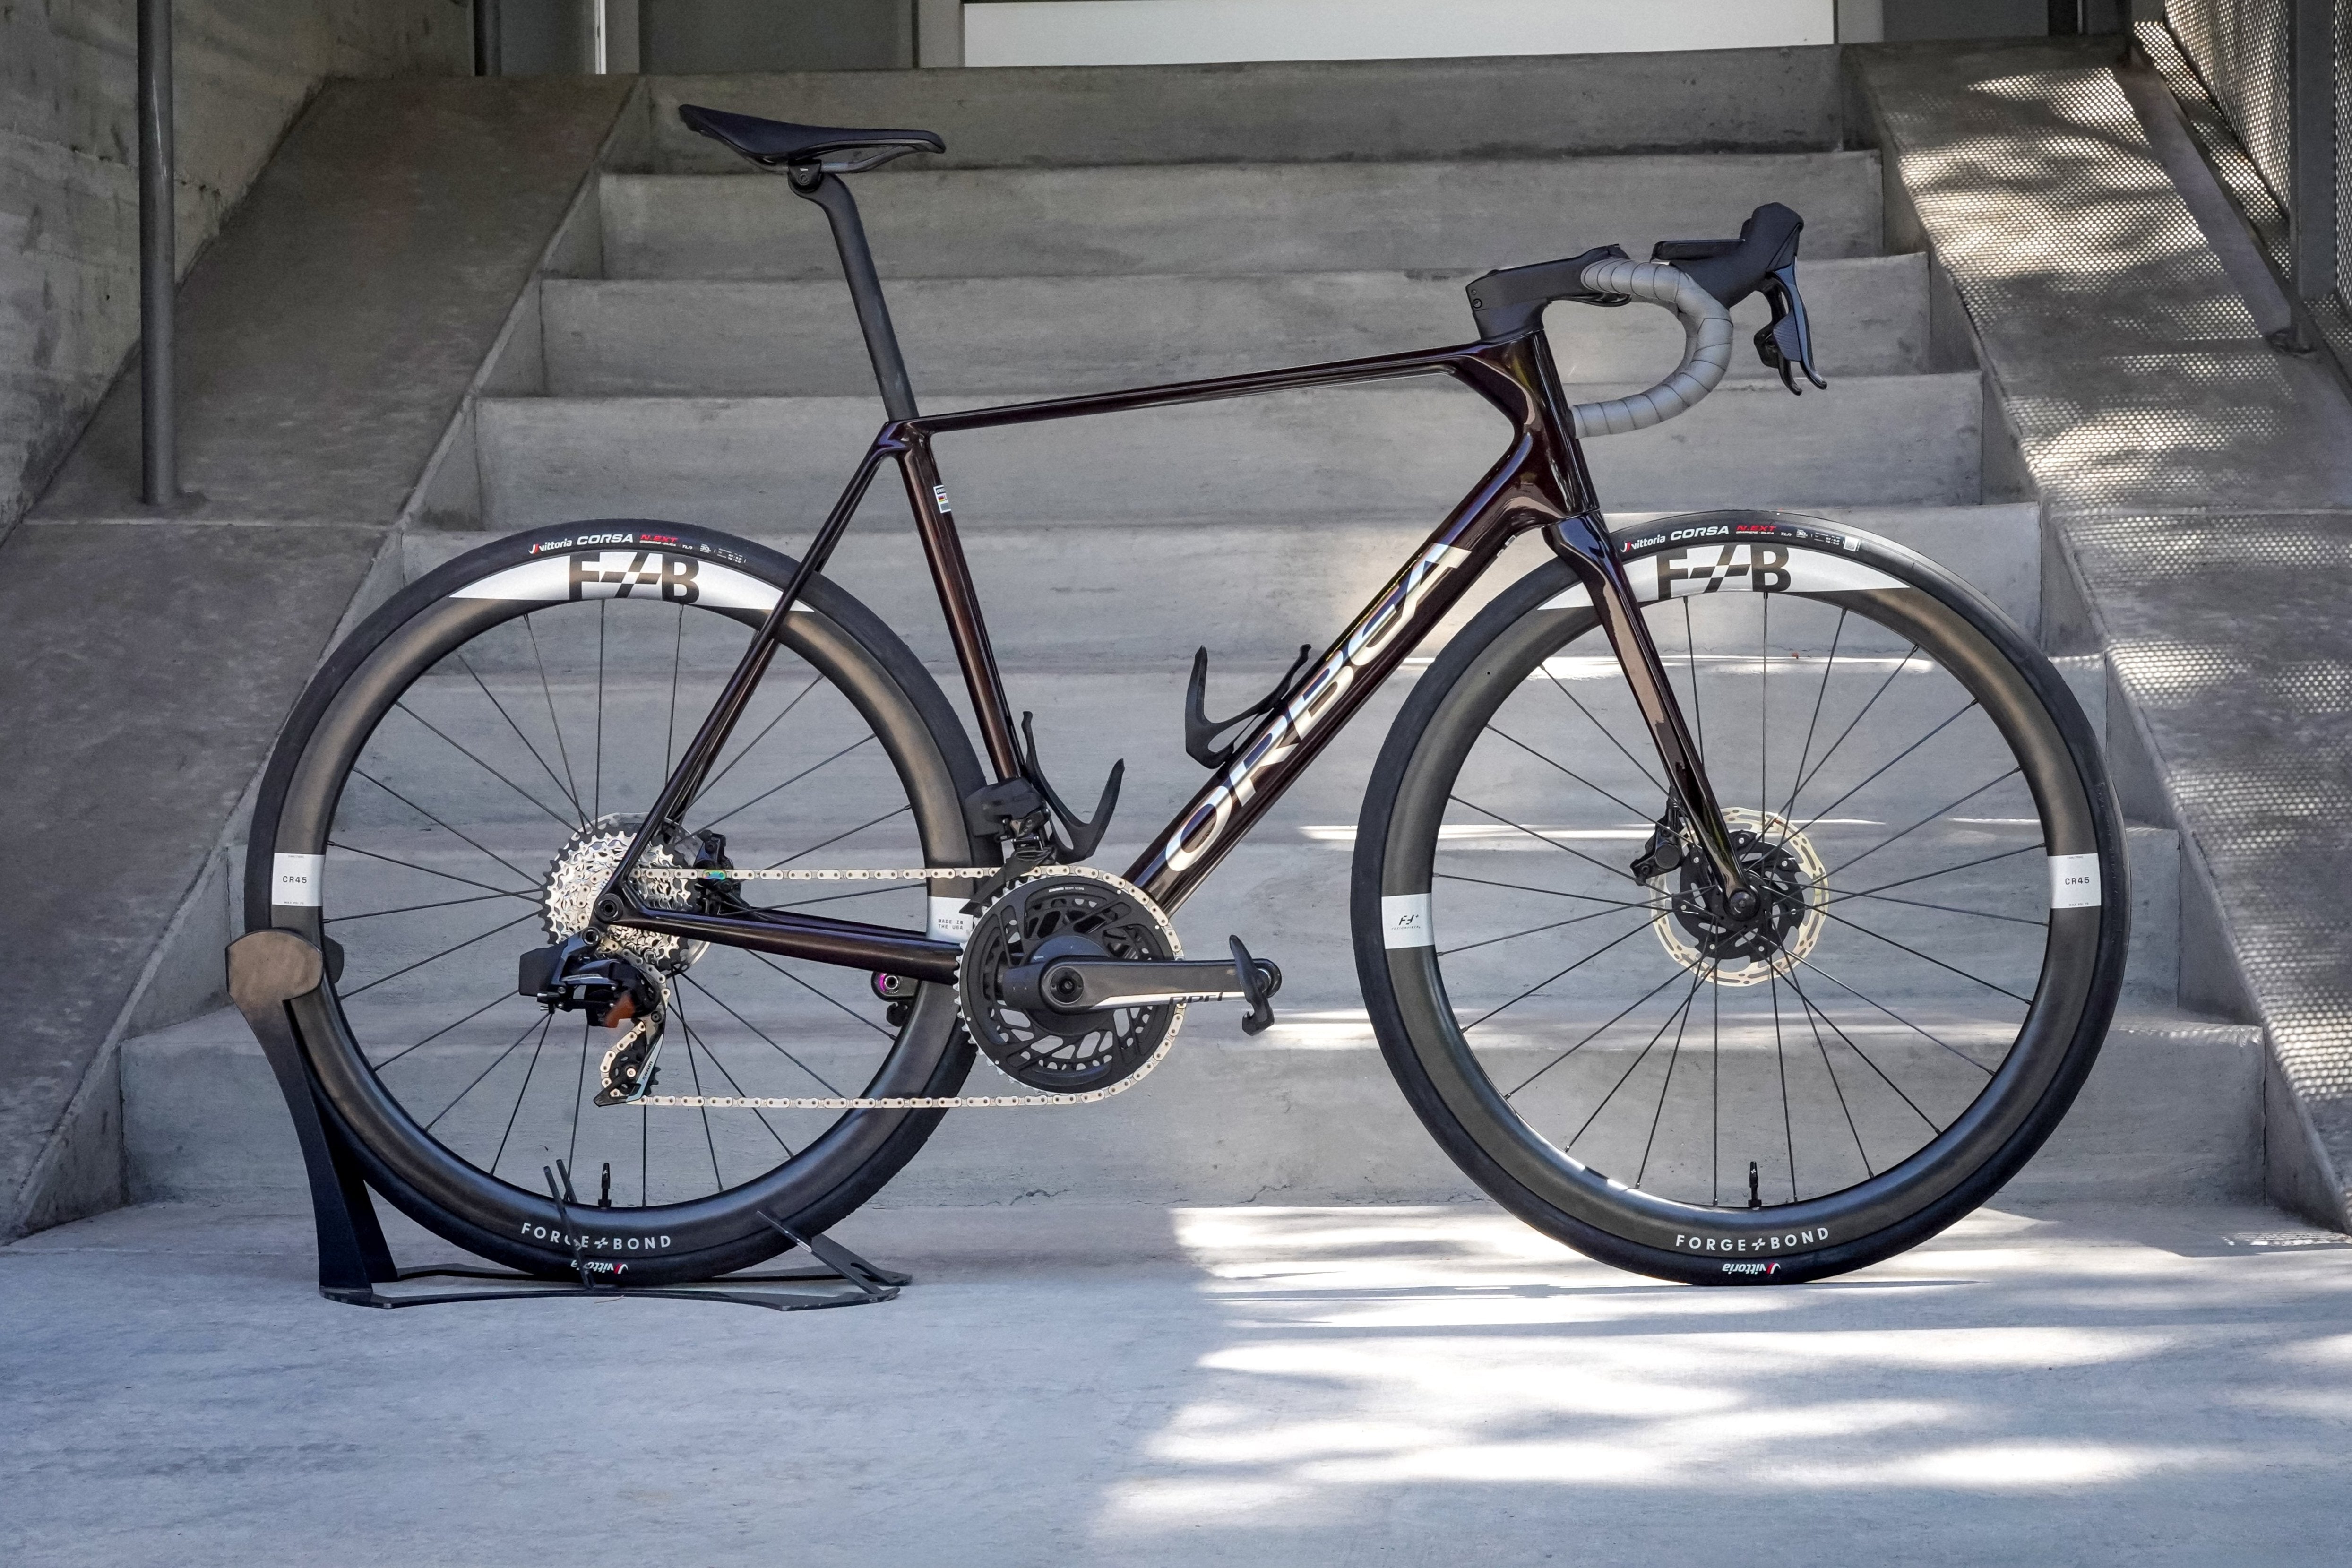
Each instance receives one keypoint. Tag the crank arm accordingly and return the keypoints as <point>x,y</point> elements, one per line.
<point>1087,985</point>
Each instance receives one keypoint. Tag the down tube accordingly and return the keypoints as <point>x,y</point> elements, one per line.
<point>1347,675</point>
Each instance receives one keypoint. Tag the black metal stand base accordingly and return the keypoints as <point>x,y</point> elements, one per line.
<point>271,971</point>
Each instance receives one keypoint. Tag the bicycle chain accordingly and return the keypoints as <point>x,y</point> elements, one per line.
<point>891,1102</point>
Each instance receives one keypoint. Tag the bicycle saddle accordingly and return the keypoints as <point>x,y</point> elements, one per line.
<point>769,142</point>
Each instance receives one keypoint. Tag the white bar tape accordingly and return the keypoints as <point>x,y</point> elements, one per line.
<point>1706,346</point>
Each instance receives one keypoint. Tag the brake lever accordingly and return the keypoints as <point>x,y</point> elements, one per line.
<point>1786,343</point>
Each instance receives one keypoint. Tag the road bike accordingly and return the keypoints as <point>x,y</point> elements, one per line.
<point>1738,898</point>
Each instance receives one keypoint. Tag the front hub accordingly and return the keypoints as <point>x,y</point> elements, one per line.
<point>1699,926</point>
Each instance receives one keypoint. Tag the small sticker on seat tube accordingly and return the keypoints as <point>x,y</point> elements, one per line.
<point>1404,920</point>
<point>949,922</point>
<point>296,882</point>
<point>2074,881</point>
<point>940,494</point>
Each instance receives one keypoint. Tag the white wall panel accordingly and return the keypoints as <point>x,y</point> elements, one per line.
<point>1174,32</point>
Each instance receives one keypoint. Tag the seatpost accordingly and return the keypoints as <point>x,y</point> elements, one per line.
<point>865,288</point>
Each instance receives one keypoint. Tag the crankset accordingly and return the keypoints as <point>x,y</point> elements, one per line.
<point>1073,979</point>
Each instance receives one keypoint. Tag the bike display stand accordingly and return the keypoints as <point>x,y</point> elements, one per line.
<point>268,973</point>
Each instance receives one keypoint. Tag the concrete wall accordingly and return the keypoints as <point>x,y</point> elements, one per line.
<point>68,173</point>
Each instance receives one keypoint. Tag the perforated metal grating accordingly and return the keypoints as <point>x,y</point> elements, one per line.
<point>2199,486</point>
<point>2241,48</point>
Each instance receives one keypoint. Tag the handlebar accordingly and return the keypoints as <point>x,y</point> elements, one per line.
<point>1699,280</point>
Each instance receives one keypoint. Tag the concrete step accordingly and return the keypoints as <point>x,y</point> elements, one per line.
<point>1233,218</point>
<point>1308,1114</point>
<point>751,462</point>
<point>1041,337</point>
<point>1287,888</point>
<point>1075,596</point>
<point>1336,111</point>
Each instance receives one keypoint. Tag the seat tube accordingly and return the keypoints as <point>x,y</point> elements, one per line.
<point>828,192</point>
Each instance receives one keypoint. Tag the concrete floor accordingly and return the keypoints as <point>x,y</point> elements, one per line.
<point>1133,1386</point>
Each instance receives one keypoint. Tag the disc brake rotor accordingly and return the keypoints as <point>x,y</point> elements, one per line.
<point>1786,871</point>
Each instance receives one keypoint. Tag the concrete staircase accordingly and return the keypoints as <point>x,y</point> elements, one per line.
<point>694,358</point>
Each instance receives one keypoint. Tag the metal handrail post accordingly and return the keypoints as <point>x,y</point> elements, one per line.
<point>158,260</point>
<point>2312,217</point>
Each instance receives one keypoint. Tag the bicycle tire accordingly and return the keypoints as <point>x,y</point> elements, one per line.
<point>413,656</point>
<point>1420,825</point>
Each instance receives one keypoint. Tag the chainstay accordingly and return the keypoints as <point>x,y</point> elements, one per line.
<point>908,1102</point>
<point>891,1103</point>
<point>860,874</point>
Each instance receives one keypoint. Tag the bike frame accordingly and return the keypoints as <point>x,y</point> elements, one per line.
<point>1539,481</point>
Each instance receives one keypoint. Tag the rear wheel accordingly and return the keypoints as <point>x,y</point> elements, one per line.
<point>1916,792</point>
<point>455,786</point>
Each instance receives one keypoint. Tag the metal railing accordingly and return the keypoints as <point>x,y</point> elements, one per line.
<point>2280,73</point>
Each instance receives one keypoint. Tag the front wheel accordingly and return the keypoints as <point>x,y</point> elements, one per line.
<point>1913,788</point>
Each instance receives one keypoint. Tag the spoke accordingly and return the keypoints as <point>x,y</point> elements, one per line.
<point>712,782</point>
<point>446,876</point>
<point>1891,1013</point>
<point>1674,1057</point>
<point>1619,800</point>
<point>1900,665</point>
<point>542,1026</point>
<point>763,1035</point>
<point>1549,892</point>
<point>526,1075</point>
<point>1933,815</point>
<point>693,1038</point>
<point>1547,980</point>
<point>443,904</point>
<point>1764,707</point>
<point>1690,662</point>
<point>1596,1034</point>
<point>559,818</point>
<point>1924,958</point>
<point>596,806</point>
<point>718,1182</point>
<point>579,1097</point>
<point>570,782</point>
<point>1880,771</point>
<point>1531,931</point>
<point>1682,1010</point>
<point>1827,1066</point>
<point>441,825</point>
<point>1924,876</point>
<point>1606,732</point>
<point>1613,870</point>
<point>1787,1119</point>
<point>536,755</point>
<point>821,996</point>
<point>792,781</point>
<point>860,893</point>
<point>1836,634</point>
<point>837,837</point>
<point>379,1067</point>
<point>444,952</point>
<point>677,660</point>
<point>1815,1009</point>
<point>1940,909</point>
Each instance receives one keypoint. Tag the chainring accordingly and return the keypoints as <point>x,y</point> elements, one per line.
<point>1067,911</point>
